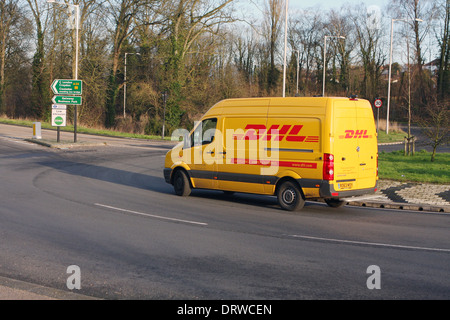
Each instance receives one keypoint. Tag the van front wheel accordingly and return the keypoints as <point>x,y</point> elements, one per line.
<point>290,197</point>
<point>181,184</point>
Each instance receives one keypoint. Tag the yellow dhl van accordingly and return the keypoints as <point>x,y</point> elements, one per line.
<point>293,148</point>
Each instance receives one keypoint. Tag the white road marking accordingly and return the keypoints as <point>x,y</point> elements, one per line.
<point>151,215</point>
<point>386,245</point>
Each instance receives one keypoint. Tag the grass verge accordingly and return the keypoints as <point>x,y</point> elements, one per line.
<point>417,168</point>
<point>81,129</point>
<point>393,136</point>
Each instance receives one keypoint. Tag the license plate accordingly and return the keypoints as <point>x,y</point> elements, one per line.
<point>347,185</point>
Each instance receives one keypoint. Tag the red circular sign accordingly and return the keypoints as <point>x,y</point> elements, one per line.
<point>378,103</point>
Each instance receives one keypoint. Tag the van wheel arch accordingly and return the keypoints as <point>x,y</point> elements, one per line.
<point>289,194</point>
<point>183,186</point>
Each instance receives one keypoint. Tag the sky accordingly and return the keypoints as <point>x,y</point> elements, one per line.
<point>337,4</point>
<point>329,4</point>
<point>429,49</point>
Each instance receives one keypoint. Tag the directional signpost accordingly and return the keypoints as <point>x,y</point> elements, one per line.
<point>67,92</point>
<point>72,87</point>
<point>67,100</point>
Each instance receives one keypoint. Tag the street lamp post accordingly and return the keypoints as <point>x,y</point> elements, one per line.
<point>77,28</point>
<point>285,48</point>
<point>125,83</point>
<point>298,68</point>
<point>164,95</point>
<point>390,68</point>
<point>325,59</point>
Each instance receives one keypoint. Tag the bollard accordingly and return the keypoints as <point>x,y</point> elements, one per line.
<point>37,130</point>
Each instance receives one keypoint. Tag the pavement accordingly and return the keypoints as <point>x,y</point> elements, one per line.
<point>408,196</point>
<point>11,289</point>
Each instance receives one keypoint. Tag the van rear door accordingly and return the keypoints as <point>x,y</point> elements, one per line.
<point>355,149</point>
<point>368,145</point>
<point>346,155</point>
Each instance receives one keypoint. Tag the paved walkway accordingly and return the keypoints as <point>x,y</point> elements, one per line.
<point>408,196</point>
<point>11,289</point>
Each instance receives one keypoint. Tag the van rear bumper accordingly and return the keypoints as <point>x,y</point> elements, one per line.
<point>327,191</point>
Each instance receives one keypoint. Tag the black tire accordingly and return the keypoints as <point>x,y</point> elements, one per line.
<point>181,184</point>
<point>335,203</point>
<point>290,197</point>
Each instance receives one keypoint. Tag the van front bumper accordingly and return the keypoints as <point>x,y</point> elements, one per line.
<point>167,174</point>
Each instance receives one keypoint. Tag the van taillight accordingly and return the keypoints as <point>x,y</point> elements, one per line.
<point>328,166</point>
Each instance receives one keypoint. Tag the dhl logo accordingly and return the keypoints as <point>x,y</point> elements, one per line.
<point>276,133</point>
<point>356,134</point>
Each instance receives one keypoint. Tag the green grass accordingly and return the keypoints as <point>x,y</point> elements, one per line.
<point>393,136</point>
<point>81,129</point>
<point>417,168</point>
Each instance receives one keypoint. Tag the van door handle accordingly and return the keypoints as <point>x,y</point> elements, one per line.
<point>362,164</point>
<point>224,152</point>
<point>210,152</point>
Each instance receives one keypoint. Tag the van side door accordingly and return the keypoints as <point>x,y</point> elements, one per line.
<point>202,147</point>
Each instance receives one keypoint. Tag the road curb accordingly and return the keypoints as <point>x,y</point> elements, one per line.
<point>401,206</point>
<point>64,145</point>
<point>12,289</point>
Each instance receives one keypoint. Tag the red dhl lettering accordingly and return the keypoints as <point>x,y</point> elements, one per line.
<point>355,134</point>
<point>275,133</point>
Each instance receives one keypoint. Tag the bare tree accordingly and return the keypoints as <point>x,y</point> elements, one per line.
<point>436,123</point>
<point>308,37</point>
<point>339,24</point>
<point>123,13</point>
<point>185,23</point>
<point>443,82</point>
<point>40,96</point>
<point>369,38</point>
<point>271,30</point>
<point>8,16</point>
<point>15,44</point>
<point>419,16</point>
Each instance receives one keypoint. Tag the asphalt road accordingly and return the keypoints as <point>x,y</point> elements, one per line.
<point>422,143</point>
<point>108,210</point>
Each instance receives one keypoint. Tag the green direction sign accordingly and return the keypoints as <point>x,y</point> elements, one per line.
<point>67,100</point>
<point>74,87</point>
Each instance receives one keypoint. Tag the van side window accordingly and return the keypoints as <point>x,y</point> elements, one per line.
<point>204,132</point>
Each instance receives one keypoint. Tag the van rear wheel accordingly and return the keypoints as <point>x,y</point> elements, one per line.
<point>335,203</point>
<point>290,197</point>
<point>181,184</point>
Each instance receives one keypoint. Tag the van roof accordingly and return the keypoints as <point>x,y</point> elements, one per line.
<point>281,100</point>
<point>315,102</point>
